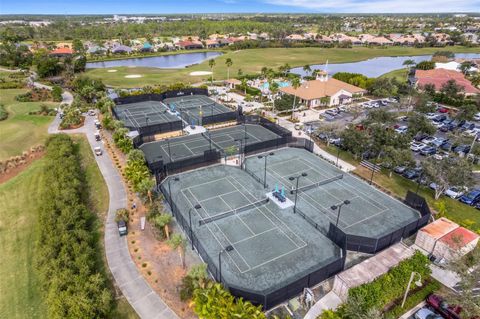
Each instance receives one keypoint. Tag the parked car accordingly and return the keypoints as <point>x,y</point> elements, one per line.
<point>428,150</point>
<point>400,169</point>
<point>446,127</point>
<point>411,174</point>
<point>429,139</point>
<point>439,305</point>
<point>332,112</point>
<point>98,125</point>
<point>472,132</point>
<point>447,146</point>
<point>471,198</point>
<point>476,117</point>
<point>420,136</point>
<point>401,129</point>
<point>98,151</point>
<point>455,191</point>
<point>426,313</point>
<point>462,149</point>
<point>97,136</point>
<point>442,110</point>
<point>439,141</point>
<point>430,116</point>
<point>122,228</point>
<point>467,126</point>
<point>440,155</point>
<point>91,112</point>
<point>417,146</point>
<point>439,118</point>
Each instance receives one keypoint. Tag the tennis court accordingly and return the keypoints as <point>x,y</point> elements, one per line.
<point>185,147</point>
<point>370,213</point>
<point>193,108</point>
<point>271,247</point>
<point>143,114</point>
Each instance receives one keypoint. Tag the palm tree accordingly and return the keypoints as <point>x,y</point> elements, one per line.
<point>408,63</point>
<point>466,66</point>
<point>228,63</point>
<point>244,85</point>
<point>307,69</point>
<point>211,64</point>
<point>295,85</point>
<point>273,87</point>
<point>264,72</point>
<point>315,72</point>
<point>178,242</point>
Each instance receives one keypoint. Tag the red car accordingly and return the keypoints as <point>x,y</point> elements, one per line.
<point>445,310</point>
<point>443,110</point>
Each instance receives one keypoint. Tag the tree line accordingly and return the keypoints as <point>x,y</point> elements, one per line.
<point>68,262</point>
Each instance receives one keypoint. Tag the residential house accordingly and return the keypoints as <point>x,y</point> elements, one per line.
<point>323,39</point>
<point>438,77</point>
<point>295,37</point>
<point>407,39</point>
<point>374,40</point>
<point>324,91</point>
<point>61,52</point>
<point>212,44</point>
<point>340,37</point>
<point>189,45</point>
<point>121,49</point>
<point>473,38</point>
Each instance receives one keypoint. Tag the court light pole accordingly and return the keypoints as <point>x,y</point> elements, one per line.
<point>265,170</point>
<point>197,207</point>
<point>169,151</point>
<point>339,207</point>
<point>418,283</point>
<point>175,179</point>
<point>296,189</point>
<point>228,248</point>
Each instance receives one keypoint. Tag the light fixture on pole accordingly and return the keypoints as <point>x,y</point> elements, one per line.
<point>296,188</point>
<point>339,207</point>
<point>228,248</point>
<point>265,169</point>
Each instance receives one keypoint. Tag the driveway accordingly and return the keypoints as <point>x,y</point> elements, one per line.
<point>134,287</point>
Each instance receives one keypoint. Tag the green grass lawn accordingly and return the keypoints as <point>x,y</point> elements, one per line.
<point>462,214</point>
<point>400,75</point>
<point>21,131</point>
<point>252,61</point>
<point>20,295</point>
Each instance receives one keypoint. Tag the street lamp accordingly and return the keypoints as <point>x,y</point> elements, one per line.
<point>265,171</point>
<point>418,283</point>
<point>197,207</point>
<point>228,248</point>
<point>339,207</point>
<point>296,189</point>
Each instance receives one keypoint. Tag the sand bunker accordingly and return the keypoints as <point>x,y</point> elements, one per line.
<point>111,71</point>
<point>196,73</point>
<point>133,76</point>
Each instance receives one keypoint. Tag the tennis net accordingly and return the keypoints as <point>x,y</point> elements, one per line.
<point>256,204</point>
<point>208,138</point>
<point>317,184</point>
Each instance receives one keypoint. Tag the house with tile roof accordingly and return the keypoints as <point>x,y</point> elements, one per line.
<point>324,91</point>
<point>438,77</point>
<point>61,52</point>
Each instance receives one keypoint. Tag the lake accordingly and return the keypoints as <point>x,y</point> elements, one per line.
<point>172,61</point>
<point>376,66</point>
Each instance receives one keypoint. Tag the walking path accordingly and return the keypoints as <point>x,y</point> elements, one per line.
<point>67,97</point>
<point>146,302</point>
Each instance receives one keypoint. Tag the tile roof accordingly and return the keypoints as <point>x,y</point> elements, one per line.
<point>438,77</point>
<point>316,89</point>
<point>459,238</point>
<point>62,51</point>
<point>439,228</point>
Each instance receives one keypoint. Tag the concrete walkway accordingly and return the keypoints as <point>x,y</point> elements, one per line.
<point>67,97</point>
<point>329,301</point>
<point>344,166</point>
<point>146,302</point>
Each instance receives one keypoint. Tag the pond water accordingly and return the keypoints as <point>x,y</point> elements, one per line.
<point>376,66</point>
<point>172,61</point>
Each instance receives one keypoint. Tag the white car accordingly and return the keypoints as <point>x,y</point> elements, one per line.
<point>474,131</point>
<point>431,116</point>
<point>401,129</point>
<point>426,313</point>
<point>456,191</point>
<point>476,117</point>
<point>428,140</point>
<point>440,155</point>
<point>437,124</point>
<point>98,151</point>
<point>417,147</point>
<point>367,105</point>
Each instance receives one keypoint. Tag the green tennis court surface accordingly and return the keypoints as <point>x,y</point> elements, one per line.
<point>371,212</point>
<point>142,114</point>
<point>184,147</point>
<point>271,247</point>
<point>193,107</point>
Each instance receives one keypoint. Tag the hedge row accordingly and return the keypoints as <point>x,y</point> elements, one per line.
<point>3,112</point>
<point>68,263</point>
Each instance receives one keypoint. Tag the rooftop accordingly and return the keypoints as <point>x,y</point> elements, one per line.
<point>439,77</point>
<point>439,228</point>
<point>316,89</point>
<point>459,237</point>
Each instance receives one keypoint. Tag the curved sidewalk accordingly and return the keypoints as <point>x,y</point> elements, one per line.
<point>146,302</point>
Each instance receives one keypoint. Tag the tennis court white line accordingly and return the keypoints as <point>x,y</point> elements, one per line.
<point>266,207</point>
<point>236,215</point>
<point>204,200</point>
<point>261,233</point>
<point>218,227</point>
<point>214,236</point>
<point>366,218</point>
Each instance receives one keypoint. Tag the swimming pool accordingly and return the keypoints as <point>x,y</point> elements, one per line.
<point>281,84</point>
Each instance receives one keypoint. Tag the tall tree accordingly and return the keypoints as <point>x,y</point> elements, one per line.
<point>228,63</point>
<point>448,172</point>
<point>211,64</point>
<point>408,63</point>
<point>295,85</point>
<point>307,69</point>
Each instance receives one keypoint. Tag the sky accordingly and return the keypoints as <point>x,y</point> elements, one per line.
<point>233,6</point>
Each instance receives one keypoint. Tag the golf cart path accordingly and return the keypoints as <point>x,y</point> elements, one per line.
<point>146,302</point>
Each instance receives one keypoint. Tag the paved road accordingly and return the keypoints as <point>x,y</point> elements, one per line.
<point>143,299</point>
<point>67,97</point>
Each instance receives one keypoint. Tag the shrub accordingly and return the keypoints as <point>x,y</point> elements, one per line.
<point>3,113</point>
<point>72,117</point>
<point>121,214</point>
<point>73,284</point>
<point>57,93</point>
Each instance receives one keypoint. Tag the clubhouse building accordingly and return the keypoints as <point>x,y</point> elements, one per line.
<point>324,91</point>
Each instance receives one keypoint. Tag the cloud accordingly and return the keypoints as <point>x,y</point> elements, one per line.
<point>382,6</point>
